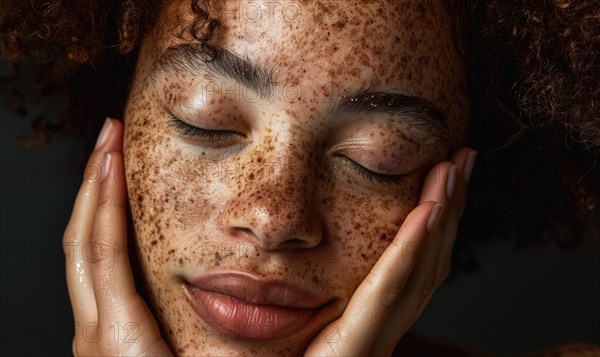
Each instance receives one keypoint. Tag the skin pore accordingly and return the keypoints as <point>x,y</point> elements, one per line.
<point>278,192</point>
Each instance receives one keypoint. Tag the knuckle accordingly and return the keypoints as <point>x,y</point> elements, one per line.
<point>371,280</point>
<point>389,297</point>
<point>100,253</point>
<point>105,202</point>
<point>70,239</point>
<point>108,204</point>
<point>70,235</point>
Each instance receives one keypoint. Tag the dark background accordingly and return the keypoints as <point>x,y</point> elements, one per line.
<point>518,301</point>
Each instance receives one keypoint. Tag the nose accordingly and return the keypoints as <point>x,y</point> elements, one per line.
<point>275,213</point>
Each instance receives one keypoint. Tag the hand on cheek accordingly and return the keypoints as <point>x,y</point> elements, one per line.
<point>110,317</point>
<point>397,289</point>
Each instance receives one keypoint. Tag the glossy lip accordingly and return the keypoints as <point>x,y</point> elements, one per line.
<point>243,305</point>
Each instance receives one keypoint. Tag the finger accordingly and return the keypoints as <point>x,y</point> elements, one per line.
<point>371,303</point>
<point>438,174</point>
<point>464,159</point>
<point>439,186</point>
<point>435,188</point>
<point>119,304</point>
<point>113,279</point>
<point>424,280</point>
<point>445,184</point>
<point>424,277</point>
<point>78,232</point>
<point>456,206</point>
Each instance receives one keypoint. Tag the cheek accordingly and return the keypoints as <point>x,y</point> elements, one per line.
<point>361,225</point>
<point>162,185</point>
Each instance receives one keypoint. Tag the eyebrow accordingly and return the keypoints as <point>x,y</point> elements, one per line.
<point>415,110</point>
<point>217,62</point>
<point>260,79</point>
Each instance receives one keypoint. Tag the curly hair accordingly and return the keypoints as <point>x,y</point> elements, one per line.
<point>534,68</point>
<point>554,48</point>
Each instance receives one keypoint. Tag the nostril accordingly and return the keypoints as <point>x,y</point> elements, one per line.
<point>245,230</point>
<point>241,232</point>
<point>294,243</point>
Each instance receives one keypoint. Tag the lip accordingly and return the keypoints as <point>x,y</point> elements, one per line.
<point>245,306</point>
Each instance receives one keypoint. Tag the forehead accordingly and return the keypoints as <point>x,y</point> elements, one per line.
<point>343,38</point>
<point>395,32</point>
<point>400,45</point>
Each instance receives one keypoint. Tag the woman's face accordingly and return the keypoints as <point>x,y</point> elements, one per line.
<point>326,116</point>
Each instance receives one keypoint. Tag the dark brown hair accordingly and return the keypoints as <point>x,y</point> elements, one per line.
<point>534,73</point>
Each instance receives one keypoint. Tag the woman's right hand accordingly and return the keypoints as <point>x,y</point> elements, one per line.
<point>111,318</point>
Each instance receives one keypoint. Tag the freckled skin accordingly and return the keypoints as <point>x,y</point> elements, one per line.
<point>283,202</point>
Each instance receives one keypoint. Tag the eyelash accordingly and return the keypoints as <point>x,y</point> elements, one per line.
<point>193,131</point>
<point>214,135</point>
<point>374,176</point>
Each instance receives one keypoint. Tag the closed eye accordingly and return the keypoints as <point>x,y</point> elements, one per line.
<point>375,177</point>
<point>188,130</point>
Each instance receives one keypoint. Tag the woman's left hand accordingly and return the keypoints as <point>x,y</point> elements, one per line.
<point>397,289</point>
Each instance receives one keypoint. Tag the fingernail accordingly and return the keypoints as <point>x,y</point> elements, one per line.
<point>433,215</point>
<point>451,181</point>
<point>107,164</point>
<point>469,165</point>
<point>104,133</point>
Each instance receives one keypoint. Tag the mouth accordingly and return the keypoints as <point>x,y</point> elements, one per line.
<point>241,305</point>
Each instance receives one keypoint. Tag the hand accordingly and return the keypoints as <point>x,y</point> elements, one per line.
<point>110,316</point>
<point>397,289</point>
